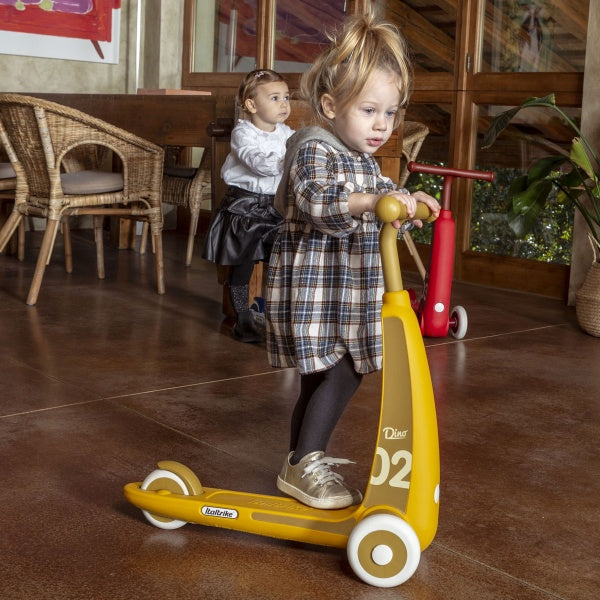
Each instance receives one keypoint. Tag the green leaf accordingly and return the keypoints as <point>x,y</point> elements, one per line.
<point>519,184</point>
<point>497,125</point>
<point>532,199</point>
<point>527,207</point>
<point>544,166</point>
<point>501,121</point>
<point>521,224</point>
<point>569,194</point>
<point>580,158</point>
<point>515,223</point>
<point>573,179</point>
<point>549,100</point>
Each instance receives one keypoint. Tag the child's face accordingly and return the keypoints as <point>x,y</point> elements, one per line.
<point>367,122</point>
<point>270,105</point>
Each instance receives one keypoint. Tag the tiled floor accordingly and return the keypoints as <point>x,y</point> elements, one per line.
<point>103,378</point>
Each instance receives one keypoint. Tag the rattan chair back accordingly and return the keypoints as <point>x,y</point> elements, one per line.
<point>39,137</point>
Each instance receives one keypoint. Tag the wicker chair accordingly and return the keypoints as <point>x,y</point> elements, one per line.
<point>79,159</point>
<point>184,187</point>
<point>8,185</point>
<point>413,136</point>
<point>37,136</point>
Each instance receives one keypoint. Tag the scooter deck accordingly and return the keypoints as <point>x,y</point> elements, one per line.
<point>273,516</point>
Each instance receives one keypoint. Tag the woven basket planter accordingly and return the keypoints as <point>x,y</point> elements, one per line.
<point>587,305</point>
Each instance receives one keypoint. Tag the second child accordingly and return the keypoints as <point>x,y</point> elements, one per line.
<point>242,229</point>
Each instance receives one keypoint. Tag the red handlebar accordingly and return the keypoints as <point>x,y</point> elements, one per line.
<point>437,170</point>
<point>448,174</point>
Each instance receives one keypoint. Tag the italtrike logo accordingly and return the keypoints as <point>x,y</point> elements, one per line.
<point>222,513</point>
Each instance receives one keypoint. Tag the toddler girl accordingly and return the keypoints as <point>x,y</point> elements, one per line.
<point>324,284</point>
<point>242,229</point>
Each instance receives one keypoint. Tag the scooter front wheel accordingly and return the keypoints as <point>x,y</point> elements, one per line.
<point>458,322</point>
<point>161,479</point>
<point>383,550</point>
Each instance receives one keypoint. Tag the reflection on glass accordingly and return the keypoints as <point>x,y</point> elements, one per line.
<point>534,36</point>
<point>430,31</point>
<point>225,36</point>
<point>531,136</point>
<point>225,32</point>
<point>301,29</point>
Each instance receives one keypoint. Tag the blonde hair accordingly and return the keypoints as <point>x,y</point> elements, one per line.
<point>250,84</point>
<point>364,45</point>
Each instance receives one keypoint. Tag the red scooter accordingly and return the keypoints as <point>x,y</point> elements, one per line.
<point>433,308</point>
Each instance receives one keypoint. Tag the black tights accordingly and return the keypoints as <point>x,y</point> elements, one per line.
<point>240,274</point>
<point>323,398</point>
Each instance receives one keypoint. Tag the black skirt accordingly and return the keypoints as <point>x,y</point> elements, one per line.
<point>242,229</point>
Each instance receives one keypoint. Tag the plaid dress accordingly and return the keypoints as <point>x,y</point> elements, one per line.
<point>324,283</point>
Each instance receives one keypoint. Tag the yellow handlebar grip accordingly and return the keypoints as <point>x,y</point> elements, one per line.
<point>389,209</point>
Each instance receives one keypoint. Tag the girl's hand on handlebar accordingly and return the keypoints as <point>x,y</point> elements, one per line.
<point>408,200</point>
<point>359,203</point>
<point>418,196</point>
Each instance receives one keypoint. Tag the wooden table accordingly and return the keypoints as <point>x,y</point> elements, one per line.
<point>165,119</point>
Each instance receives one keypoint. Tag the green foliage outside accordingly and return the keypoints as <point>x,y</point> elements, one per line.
<point>550,240</point>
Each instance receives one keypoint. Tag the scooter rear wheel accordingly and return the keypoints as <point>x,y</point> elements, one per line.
<point>383,550</point>
<point>458,322</point>
<point>161,479</point>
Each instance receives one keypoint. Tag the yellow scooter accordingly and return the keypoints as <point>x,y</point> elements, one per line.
<point>398,517</point>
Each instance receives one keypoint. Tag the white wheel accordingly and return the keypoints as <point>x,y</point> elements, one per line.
<point>161,479</point>
<point>458,322</point>
<point>383,550</point>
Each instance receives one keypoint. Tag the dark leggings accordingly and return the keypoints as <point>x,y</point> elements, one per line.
<point>240,274</point>
<point>323,398</point>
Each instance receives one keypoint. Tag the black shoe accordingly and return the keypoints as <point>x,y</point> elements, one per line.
<point>249,328</point>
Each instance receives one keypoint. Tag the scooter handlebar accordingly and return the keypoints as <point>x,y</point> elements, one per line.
<point>389,209</point>
<point>415,167</point>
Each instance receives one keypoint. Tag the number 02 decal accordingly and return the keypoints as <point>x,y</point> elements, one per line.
<point>400,479</point>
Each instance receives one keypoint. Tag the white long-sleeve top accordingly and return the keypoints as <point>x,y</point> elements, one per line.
<point>255,162</point>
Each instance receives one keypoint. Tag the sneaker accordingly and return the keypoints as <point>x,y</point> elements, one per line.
<point>259,318</point>
<point>313,483</point>
<point>248,328</point>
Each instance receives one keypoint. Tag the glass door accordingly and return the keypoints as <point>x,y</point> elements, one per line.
<point>534,36</point>
<point>526,48</point>
<point>225,37</point>
<point>301,30</point>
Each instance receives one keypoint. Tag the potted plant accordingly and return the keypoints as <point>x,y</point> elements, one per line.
<point>575,175</point>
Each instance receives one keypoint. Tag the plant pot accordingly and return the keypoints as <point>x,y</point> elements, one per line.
<point>587,301</point>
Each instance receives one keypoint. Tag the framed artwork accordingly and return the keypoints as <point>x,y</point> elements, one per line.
<point>86,30</point>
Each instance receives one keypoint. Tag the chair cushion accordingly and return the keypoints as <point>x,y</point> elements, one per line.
<point>177,171</point>
<point>6,171</point>
<point>91,182</point>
